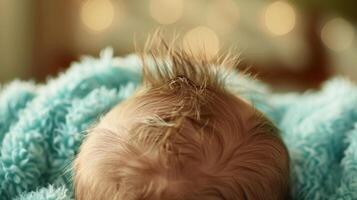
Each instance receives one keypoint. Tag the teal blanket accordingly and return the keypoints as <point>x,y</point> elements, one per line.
<point>41,128</point>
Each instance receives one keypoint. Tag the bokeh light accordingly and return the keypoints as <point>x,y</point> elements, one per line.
<point>223,15</point>
<point>337,34</point>
<point>280,18</point>
<point>166,11</point>
<point>97,15</point>
<point>202,40</point>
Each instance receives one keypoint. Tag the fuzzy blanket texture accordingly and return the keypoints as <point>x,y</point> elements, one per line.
<point>42,125</point>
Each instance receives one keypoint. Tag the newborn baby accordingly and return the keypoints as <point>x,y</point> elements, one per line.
<point>182,136</point>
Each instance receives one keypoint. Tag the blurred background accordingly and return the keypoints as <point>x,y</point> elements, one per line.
<point>292,45</point>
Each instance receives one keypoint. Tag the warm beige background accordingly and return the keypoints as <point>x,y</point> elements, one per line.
<point>40,38</point>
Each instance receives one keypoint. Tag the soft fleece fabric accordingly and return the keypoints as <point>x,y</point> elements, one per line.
<point>41,128</point>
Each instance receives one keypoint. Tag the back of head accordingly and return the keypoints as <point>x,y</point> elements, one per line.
<point>182,136</point>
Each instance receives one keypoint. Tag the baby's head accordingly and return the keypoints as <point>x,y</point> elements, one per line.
<point>182,136</point>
